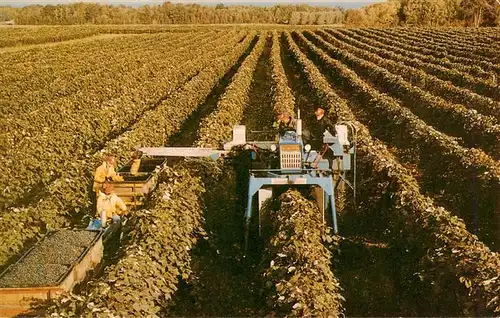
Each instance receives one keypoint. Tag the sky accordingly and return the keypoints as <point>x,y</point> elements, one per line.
<point>152,2</point>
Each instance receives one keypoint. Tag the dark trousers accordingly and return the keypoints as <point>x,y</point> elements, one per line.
<point>327,154</point>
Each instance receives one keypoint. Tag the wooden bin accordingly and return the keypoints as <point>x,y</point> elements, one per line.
<point>134,189</point>
<point>17,300</point>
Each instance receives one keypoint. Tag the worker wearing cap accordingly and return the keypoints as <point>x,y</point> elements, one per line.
<point>109,203</point>
<point>321,124</point>
<point>105,172</point>
<point>285,123</point>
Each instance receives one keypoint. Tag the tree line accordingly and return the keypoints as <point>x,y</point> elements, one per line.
<point>389,13</point>
<point>169,13</point>
<point>426,13</point>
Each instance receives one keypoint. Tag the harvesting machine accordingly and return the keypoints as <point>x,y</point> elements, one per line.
<point>286,161</point>
<point>282,161</point>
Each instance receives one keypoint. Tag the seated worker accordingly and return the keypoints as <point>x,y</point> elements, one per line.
<point>136,163</point>
<point>285,123</point>
<point>103,173</point>
<point>109,203</point>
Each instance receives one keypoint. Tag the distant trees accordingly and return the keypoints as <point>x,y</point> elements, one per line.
<point>480,12</point>
<point>322,17</point>
<point>386,14</point>
<point>474,13</point>
<point>169,13</point>
<point>427,13</point>
<point>4,16</point>
<point>383,14</point>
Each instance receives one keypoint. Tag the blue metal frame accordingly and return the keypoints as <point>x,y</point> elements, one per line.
<point>321,177</point>
<point>276,177</point>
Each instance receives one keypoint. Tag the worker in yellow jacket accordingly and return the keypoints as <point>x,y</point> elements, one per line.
<point>109,205</point>
<point>105,172</point>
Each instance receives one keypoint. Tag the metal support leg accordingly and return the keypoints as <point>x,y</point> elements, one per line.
<point>334,214</point>
<point>264,194</point>
<point>248,217</point>
<point>326,201</point>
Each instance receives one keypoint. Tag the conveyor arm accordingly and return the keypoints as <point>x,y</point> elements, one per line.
<point>183,152</point>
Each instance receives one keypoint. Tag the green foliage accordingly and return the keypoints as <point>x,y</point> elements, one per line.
<point>217,127</point>
<point>414,71</point>
<point>441,237</point>
<point>44,34</point>
<point>283,99</point>
<point>145,278</point>
<point>478,13</point>
<point>466,56</point>
<point>455,119</point>
<point>383,14</point>
<point>101,105</point>
<point>70,193</point>
<point>429,12</point>
<point>453,167</point>
<point>460,74</point>
<point>297,272</point>
<point>300,282</point>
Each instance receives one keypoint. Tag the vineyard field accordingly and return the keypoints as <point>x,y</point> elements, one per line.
<point>422,237</point>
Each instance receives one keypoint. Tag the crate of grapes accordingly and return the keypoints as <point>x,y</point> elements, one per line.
<point>134,188</point>
<point>55,264</point>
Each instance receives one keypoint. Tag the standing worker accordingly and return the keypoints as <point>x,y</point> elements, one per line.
<point>321,125</point>
<point>103,173</point>
<point>108,204</point>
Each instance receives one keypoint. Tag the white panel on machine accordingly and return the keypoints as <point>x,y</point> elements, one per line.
<point>239,137</point>
<point>328,138</point>
<point>298,125</point>
<point>342,135</point>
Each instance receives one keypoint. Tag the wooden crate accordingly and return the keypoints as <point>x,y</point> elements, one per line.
<point>134,189</point>
<point>17,300</point>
